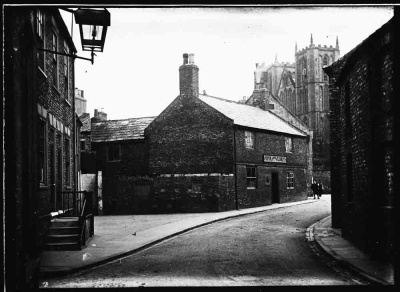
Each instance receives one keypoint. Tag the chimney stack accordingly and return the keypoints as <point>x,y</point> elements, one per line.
<point>189,77</point>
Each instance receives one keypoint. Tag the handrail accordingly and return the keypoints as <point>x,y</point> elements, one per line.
<point>79,204</point>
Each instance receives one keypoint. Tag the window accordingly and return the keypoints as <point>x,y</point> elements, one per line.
<point>196,186</point>
<point>251,175</point>
<point>67,162</point>
<point>249,139</point>
<point>290,179</point>
<point>289,144</point>
<point>325,61</point>
<point>114,152</point>
<point>66,72</point>
<point>55,63</point>
<point>40,33</point>
<point>42,152</point>
<point>83,145</point>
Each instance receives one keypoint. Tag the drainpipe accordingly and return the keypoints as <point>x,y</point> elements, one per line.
<point>235,168</point>
<point>74,125</point>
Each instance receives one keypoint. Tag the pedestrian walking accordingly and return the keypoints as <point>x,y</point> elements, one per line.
<point>314,188</point>
<point>320,190</point>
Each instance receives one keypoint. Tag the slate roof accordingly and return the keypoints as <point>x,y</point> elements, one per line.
<point>117,130</point>
<point>250,116</point>
<point>86,124</point>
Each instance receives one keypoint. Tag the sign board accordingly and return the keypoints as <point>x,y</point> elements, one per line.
<point>276,159</point>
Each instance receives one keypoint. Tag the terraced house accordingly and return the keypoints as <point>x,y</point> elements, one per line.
<point>41,133</point>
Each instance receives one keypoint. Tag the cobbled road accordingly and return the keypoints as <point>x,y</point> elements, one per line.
<point>263,249</point>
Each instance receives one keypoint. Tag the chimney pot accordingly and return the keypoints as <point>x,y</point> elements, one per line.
<point>185,59</point>
<point>191,58</point>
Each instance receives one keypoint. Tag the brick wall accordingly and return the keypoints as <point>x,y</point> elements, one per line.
<point>133,158</point>
<point>364,182</point>
<point>269,143</point>
<point>190,137</point>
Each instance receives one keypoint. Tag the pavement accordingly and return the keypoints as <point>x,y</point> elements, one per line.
<point>119,236</point>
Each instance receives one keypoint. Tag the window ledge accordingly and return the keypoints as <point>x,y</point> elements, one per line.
<point>56,89</point>
<point>42,72</point>
<point>67,102</point>
<point>44,187</point>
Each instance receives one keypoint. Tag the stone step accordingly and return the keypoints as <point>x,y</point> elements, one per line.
<point>65,222</point>
<point>62,246</point>
<point>64,230</point>
<point>64,238</point>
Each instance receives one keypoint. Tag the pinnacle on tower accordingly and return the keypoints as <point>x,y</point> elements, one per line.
<point>311,41</point>
<point>337,42</point>
<point>295,48</point>
<point>276,57</point>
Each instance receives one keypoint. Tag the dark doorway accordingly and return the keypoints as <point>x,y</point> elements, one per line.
<point>275,187</point>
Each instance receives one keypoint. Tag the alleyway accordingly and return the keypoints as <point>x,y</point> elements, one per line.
<point>263,249</point>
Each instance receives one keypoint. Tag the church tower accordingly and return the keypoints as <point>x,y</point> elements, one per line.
<point>312,101</point>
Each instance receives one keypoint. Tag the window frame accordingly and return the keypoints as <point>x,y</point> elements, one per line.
<point>251,177</point>
<point>113,148</point>
<point>249,139</point>
<point>67,159</point>
<point>42,152</point>
<point>66,73</point>
<point>56,70</point>
<point>290,180</point>
<point>289,144</point>
<point>40,32</point>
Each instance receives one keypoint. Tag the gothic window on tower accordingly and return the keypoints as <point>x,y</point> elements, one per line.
<point>325,61</point>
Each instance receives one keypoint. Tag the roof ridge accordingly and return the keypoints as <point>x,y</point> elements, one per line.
<point>127,119</point>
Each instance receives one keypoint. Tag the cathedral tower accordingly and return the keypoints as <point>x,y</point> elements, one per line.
<point>312,101</point>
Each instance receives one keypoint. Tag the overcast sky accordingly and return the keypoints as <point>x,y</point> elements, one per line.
<point>137,74</point>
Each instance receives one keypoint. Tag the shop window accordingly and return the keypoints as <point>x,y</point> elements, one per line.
<point>290,179</point>
<point>251,175</point>
<point>249,139</point>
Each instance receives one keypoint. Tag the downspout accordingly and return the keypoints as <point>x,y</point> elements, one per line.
<point>74,125</point>
<point>235,168</point>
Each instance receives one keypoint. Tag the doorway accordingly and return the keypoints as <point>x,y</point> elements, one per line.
<point>275,187</point>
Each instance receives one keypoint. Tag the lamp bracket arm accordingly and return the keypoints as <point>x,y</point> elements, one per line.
<point>64,54</point>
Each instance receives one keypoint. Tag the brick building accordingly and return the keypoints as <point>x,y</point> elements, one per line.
<point>120,151</point>
<point>362,143</point>
<point>211,154</point>
<point>41,133</point>
<point>300,89</point>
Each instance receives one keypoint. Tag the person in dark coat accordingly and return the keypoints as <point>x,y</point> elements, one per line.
<point>320,190</point>
<point>314,188</point>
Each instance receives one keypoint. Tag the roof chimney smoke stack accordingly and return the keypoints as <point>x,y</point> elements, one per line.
<point>191,58</point>
<point>185,59</point>
<point>189,77</point>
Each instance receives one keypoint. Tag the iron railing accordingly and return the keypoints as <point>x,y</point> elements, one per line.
<point>79,204</point>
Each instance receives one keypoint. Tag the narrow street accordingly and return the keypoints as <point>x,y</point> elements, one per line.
<point>264,249</point>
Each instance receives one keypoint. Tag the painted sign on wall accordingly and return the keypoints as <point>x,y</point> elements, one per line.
<point>276,159</point>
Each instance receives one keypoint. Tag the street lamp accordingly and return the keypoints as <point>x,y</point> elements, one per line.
<point>93,28</point>
<point>93,25</point>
